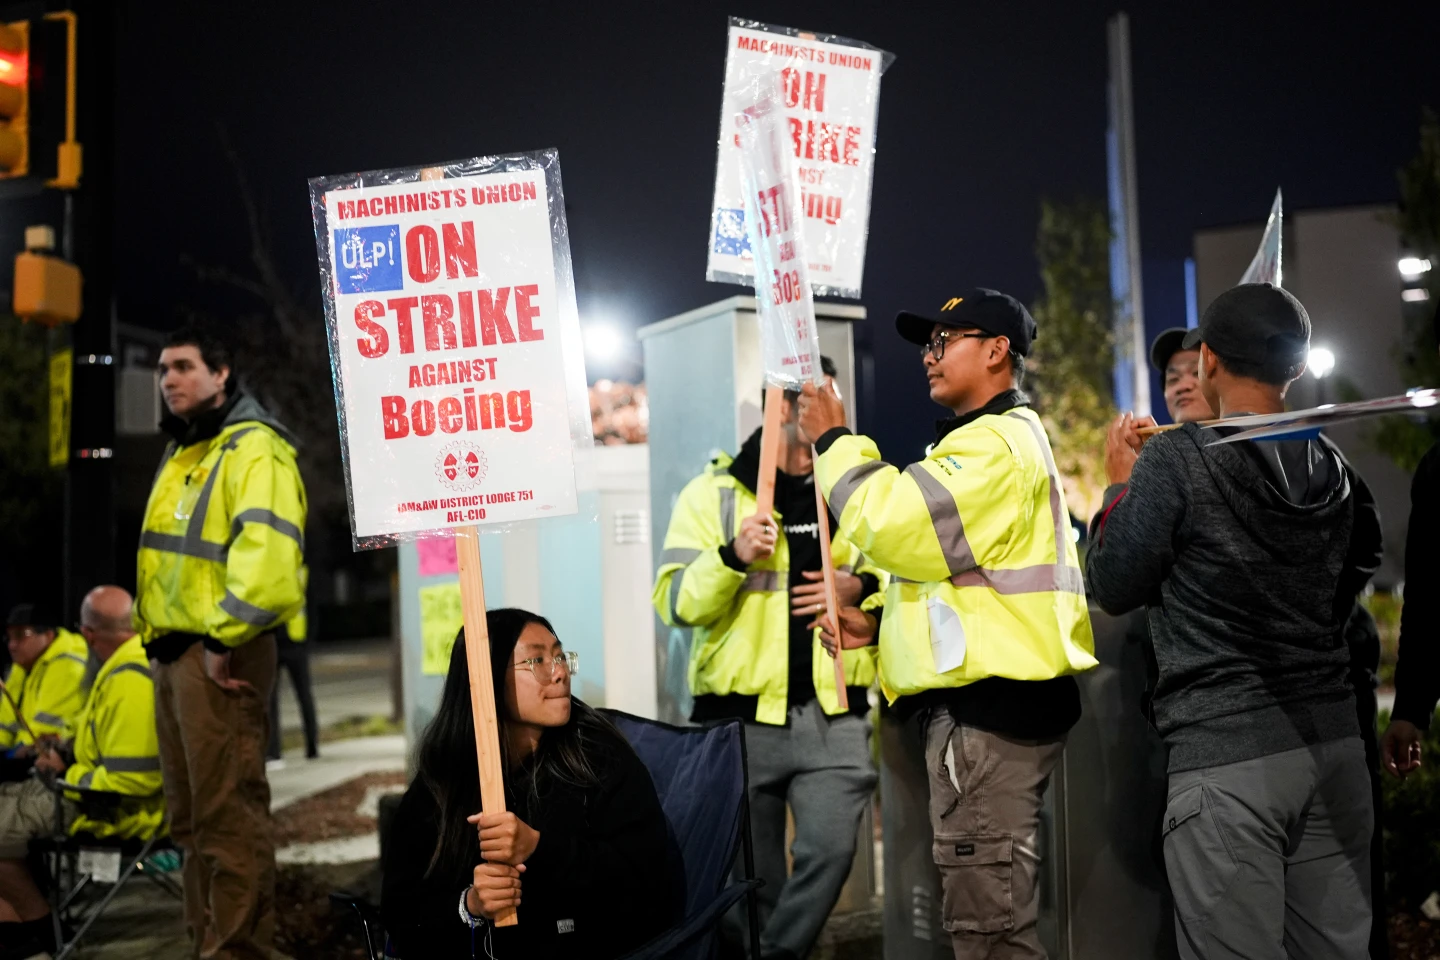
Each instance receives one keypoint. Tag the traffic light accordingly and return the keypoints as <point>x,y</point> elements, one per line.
<point>37,100</point>
<point>14,98</point>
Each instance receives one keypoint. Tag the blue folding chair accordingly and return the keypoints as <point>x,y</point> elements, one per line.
<point>699,774</point>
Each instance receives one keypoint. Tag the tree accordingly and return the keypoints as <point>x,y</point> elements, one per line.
<point>1403,439</point>
<point>31,490</point>
<point>1071,366</point>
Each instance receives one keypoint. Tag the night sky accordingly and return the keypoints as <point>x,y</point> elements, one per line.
<point>987,109</point>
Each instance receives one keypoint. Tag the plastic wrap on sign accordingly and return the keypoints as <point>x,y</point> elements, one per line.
<point>830,94</point>
<point>454,344</point>
<point>789,339</point>
<point>1266,267</point>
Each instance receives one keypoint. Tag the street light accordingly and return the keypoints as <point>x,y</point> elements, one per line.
<point>1320,362</point>
<point>1412,267</point>
<point>602,342</point>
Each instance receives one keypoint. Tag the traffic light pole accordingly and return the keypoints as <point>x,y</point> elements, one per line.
<point>88,240</point>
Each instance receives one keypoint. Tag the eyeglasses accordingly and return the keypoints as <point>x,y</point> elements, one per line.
<point>936,345</point>
<point>569,658</point>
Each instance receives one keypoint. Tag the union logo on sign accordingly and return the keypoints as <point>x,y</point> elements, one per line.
<point>461,465</point>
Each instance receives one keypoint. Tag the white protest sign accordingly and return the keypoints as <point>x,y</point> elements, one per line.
<point>789,338</point>
<point>454,342</point>
<point>1265,268</point>
<point>830,89</point>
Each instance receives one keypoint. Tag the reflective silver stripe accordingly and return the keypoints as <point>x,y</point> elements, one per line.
<point>268,518</point>
<point>131,764</point>
<point>85,778</point>
<point>727,512</point>
<point>1043,578</point>
<point>675,581</point>
<point>945,518</point>
<point>194,544</point>
<point>169,543</point>
<point>48,718</point>
<point>849,482</point>
<point>1062,522</point>
<point>761,580</point>
<point>846,568</point>
<point>131,668</point>
<point>680,555</point>
<point>72,656</point>
<point>247,612</point>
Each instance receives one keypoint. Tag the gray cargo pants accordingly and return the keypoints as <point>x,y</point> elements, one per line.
<point>986,791</point>
<point>1270,858</point>
<point>821,766</point>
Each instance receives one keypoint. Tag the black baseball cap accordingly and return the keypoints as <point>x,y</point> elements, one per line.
<point>1166,345</point>
<point>1254,323</point>
<point>30,615</point>
<point>988,310</point>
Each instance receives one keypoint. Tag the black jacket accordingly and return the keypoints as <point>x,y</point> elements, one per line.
<point>1248,558</point>
<point>605,864</point>
<point>1417,674</point>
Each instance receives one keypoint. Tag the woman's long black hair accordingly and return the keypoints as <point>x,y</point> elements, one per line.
<point>447,765</point>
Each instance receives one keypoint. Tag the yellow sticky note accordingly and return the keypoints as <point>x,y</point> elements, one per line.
<point>441,618</point>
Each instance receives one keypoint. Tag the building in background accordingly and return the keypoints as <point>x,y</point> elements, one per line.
<point>1343,265</point>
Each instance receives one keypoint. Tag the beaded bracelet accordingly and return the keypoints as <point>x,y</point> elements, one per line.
<point>466,917</point>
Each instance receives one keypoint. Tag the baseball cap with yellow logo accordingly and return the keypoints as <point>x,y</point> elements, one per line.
<point>981,309</point>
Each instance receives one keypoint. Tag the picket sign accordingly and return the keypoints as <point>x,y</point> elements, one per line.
<point>477,655</point>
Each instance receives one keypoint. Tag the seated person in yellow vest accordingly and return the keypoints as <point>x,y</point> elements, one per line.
<point>114,749</point>
<point>985,617</point>
<point>751,588</point>
<point>45,690</point>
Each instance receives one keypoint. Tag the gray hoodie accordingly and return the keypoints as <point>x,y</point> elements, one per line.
<point>1247,558</point>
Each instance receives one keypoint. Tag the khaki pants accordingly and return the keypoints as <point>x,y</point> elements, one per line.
<point>212,752</point>
<point>985,797</point>
<point>27,812</point>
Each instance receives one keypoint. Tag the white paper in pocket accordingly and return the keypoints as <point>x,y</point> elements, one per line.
<point>947,636</point>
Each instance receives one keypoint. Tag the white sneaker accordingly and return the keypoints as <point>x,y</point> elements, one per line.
<point>273,765</point>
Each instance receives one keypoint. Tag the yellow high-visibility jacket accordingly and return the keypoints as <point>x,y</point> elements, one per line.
<point>297,627</point>
<point>741,621</point>
<point>223,539</point>
<point>50,694</point>
<point>979,527</point>
<point>117,748</point>
<point>9,721</point>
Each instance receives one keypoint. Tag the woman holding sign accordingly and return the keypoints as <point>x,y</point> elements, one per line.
<point>582,848</point>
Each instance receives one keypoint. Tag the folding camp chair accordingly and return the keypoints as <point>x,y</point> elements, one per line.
<point>57,858</point>
<point>700,775</point>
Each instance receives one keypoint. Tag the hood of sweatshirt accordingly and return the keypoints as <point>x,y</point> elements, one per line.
<point>1292,497</point>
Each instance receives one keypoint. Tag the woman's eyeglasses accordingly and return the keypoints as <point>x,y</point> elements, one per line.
<point>569,659</point>
<point>937,343</point>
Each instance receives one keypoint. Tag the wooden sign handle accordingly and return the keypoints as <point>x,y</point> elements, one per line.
<point>832,594</point>
<point>477,654</point>
<point>770,437</point>
<point>482,688</point>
